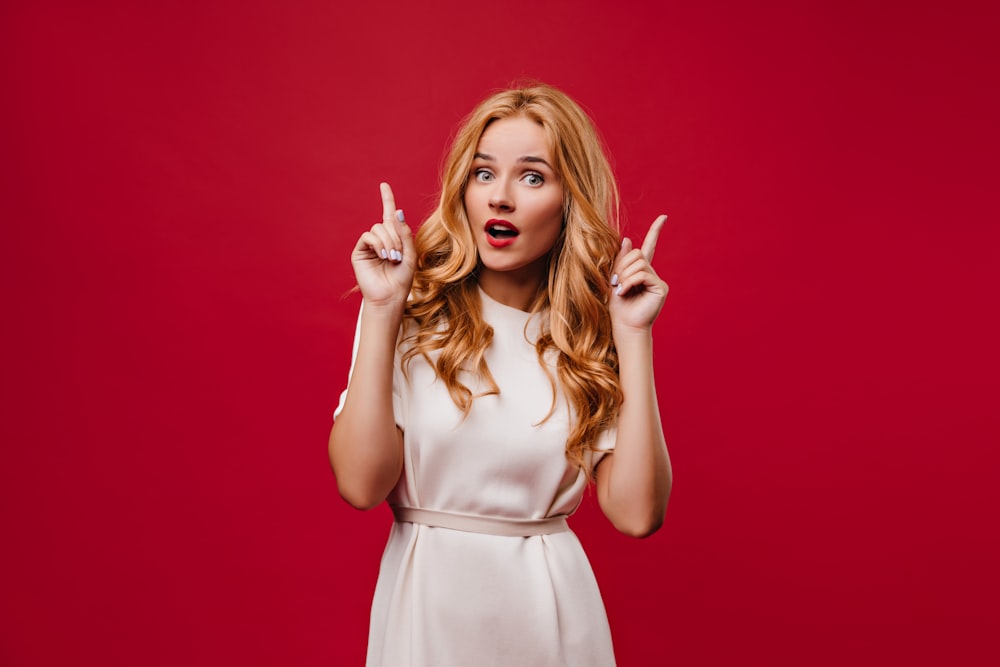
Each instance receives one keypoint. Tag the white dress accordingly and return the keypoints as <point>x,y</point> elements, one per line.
<point>454,598</point>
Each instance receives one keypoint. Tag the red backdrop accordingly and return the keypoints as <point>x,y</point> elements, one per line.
<point>181,186</point>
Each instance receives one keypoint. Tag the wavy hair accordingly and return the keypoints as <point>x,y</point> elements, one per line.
<point>572,300</point>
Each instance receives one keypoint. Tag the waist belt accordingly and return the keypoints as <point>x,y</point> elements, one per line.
<point>488,525</point>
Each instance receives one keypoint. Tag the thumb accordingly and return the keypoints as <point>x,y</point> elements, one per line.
<point>626,247</point>
<point>405,235</point>
<point>616,267</point>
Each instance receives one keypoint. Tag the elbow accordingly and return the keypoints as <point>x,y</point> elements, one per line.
<point>641,523</point>
<point>363,481</point>
<point>358,498</point>
<point>641,527</point>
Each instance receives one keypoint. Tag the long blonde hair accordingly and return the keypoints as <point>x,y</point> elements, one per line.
<point>445,306</point>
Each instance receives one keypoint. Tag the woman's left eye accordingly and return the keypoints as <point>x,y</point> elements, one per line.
<point>533,179</point>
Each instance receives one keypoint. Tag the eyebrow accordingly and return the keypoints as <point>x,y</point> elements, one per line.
<point>523,158</point>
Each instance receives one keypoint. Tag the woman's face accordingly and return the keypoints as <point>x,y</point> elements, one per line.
<point>514,199</point>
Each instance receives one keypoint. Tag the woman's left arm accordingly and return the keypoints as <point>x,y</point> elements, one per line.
<point>633,482</point>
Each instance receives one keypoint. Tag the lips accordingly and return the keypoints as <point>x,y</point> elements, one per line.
<point>500,233</point>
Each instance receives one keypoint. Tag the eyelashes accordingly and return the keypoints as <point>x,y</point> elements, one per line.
<point>531,178</point>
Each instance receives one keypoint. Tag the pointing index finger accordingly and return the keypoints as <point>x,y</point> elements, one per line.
<point>388,205</point>
<point>649,243</point>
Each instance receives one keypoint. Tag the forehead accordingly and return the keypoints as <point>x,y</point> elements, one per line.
<point>514,137</point>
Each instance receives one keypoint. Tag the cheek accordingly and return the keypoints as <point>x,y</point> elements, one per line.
<point>471,201</point>
<point>555,210</point>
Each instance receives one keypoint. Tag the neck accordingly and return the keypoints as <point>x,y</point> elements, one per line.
<point>511,288</point>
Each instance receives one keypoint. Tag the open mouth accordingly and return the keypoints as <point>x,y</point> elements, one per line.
<point>501,233</point>
<point>501,230</point>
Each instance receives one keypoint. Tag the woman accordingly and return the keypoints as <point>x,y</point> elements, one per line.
<point>503,360</point>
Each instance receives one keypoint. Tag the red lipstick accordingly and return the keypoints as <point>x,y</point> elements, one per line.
<point>500,233</point>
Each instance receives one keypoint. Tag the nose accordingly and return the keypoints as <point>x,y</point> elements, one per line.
<point>500,197</point>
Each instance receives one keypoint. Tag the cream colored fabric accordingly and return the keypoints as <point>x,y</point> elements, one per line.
<point>477,523</point>
<point>453,598</point>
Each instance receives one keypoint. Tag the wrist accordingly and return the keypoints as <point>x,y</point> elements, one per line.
<point>625,334</point>
<point>384,313</point>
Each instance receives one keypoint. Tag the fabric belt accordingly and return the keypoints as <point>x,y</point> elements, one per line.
<point>488,525</point>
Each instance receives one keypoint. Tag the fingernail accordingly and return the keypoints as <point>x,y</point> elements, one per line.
<point>384,254</point>
<point>614,280</point>
<point>398,256</point>
<point>400,216</point>
<point>618,292</point>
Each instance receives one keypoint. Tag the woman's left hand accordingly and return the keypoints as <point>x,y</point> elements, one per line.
<point>637,293</point>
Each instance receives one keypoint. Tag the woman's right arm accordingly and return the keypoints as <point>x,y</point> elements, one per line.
<point>366,446</point>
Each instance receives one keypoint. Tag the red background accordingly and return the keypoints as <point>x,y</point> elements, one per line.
<point>181,186</point>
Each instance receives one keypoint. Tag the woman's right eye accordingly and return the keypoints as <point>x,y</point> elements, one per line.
<point>483,175</point>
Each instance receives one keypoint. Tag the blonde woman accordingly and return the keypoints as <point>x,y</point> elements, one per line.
<point>503,361</point>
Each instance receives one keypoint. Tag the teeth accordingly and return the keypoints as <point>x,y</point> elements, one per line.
<point>498,231</point>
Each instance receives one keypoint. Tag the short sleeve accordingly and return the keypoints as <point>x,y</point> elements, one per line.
<point>606,440</point>
<point>604,445</point>
<point>398,406</point>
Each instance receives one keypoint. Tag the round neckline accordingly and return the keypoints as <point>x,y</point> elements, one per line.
<point>529,323</point>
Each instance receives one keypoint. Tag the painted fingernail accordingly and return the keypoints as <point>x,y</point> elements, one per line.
<point>398,256</point>
<point>618,292</point>
<point>400,216</point>
<point>384,254</point>
<point>614,280</point>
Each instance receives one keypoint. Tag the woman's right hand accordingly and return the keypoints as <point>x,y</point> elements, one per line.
<point>385,258</point>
